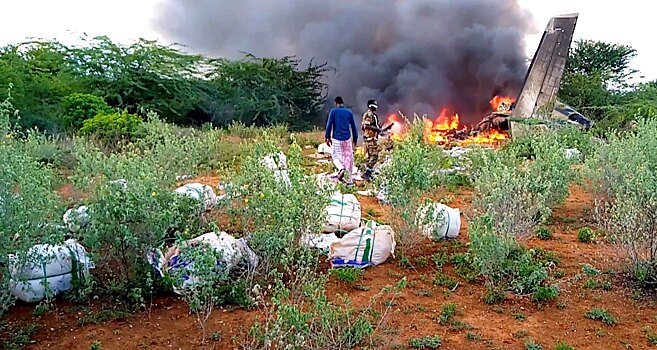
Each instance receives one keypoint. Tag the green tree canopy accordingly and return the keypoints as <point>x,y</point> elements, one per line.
<point>597,82</point>
<point>182,88</point>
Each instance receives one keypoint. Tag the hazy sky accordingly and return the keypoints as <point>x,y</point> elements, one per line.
<point>627,22</point>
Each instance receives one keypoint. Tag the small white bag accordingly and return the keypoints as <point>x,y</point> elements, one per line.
<point>204,194</point>
<point>343,213</point>
<point>438,221</point>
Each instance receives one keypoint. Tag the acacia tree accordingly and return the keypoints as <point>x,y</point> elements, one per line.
<point>37,71</point>
<point>597,82</point>
<point>142,76</point>
<point>182,88</point>
<point>267,91</point>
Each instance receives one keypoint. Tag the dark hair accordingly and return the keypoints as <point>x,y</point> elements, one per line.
<point>339,100</point>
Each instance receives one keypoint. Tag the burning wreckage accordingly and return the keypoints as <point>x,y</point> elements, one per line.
<point>536,105</point>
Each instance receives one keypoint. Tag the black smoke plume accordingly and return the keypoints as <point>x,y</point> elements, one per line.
<point>416,56</point>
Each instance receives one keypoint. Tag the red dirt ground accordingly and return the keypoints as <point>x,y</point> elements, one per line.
<point>168,324</point>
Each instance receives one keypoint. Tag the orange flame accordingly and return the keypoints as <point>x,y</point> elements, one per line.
<point>442,129</point>
<point>497,101</point>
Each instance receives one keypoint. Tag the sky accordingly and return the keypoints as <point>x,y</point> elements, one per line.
<point>627,22</point>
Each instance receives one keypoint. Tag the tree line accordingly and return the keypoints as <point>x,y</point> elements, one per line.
<point>56,87</point>
<point>598,81</point>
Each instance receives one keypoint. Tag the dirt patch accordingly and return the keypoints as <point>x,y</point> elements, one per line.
<point>168,324</point>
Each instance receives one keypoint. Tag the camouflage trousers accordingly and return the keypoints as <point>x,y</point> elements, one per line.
<point>372,150</point>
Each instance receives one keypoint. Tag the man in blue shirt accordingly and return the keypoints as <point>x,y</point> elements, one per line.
<point>342,136</point>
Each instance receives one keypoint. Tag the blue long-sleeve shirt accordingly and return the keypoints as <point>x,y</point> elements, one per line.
<point>339,121</point>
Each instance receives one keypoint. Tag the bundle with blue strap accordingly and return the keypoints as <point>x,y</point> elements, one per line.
<point>365,246</point>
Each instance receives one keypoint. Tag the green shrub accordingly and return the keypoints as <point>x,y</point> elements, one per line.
<point>519,195</point>
<point>348,275</point>
<point>443,280</point>
<point>126,222</point>
<point>447,313</point>
<point>503,262</point>
<point>201,296</point>
<point>425,342</point>
<point>585,235</point>
<point>625,168</point>
<point>421,261</point>
<point>544,233</point>
<point>405,262</point>
<point>473,336</point>
<point>563,346</point>
<point>79,107</point>
<point>493,296</point>
<point>590,270</point>
<point>532,345</point>
<point>277,213</point>
<point>650,335</point>
<point>545,293</point>
<point>411,169</point>
<point>602,315</point>
<point>29,206</point>
<point>111,127</point>
<point>317,323</point>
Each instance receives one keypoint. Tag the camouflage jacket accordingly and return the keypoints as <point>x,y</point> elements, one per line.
<point>370,119</point>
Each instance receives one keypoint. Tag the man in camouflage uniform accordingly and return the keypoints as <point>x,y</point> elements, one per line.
<point>371,132</point>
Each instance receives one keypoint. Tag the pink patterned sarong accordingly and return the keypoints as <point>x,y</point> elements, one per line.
<point>343,157</point>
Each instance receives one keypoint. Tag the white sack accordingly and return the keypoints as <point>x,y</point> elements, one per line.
<point>320,241</point>
<point>343,213</point>
<point>438,221</point>
<point>75,219</point>
<point>49,271</point>
<point>277,163</point>
<point>123,183</point>
<point>573,153</point>
<point>325,182</point>
<point>365,246</point>
<point>232,250</point>
<point>204,194</point>
<point>324,149</point>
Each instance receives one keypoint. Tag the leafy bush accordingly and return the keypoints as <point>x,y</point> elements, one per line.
<point>590,270</point>
<point>29,207</point>
<point>629,197</point>
<point>532,345</point>
<point>111,127</point>
<point>520,194</point>
<point>544,233</point>
<point>277,213</point>
<point>308,320</point>
<point>505,264</point>
<point>425,342</point>
<point>126,222</point>
<point>441,279</point>
<point>447,312</point>
<point>411,170</point>
<point>348,275</point>
<point>79,107</point>
<point>585,235</point>
<point>602,315</point>
<point>201,296</point>
<point>563,346</point>
<point>545,293</point>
